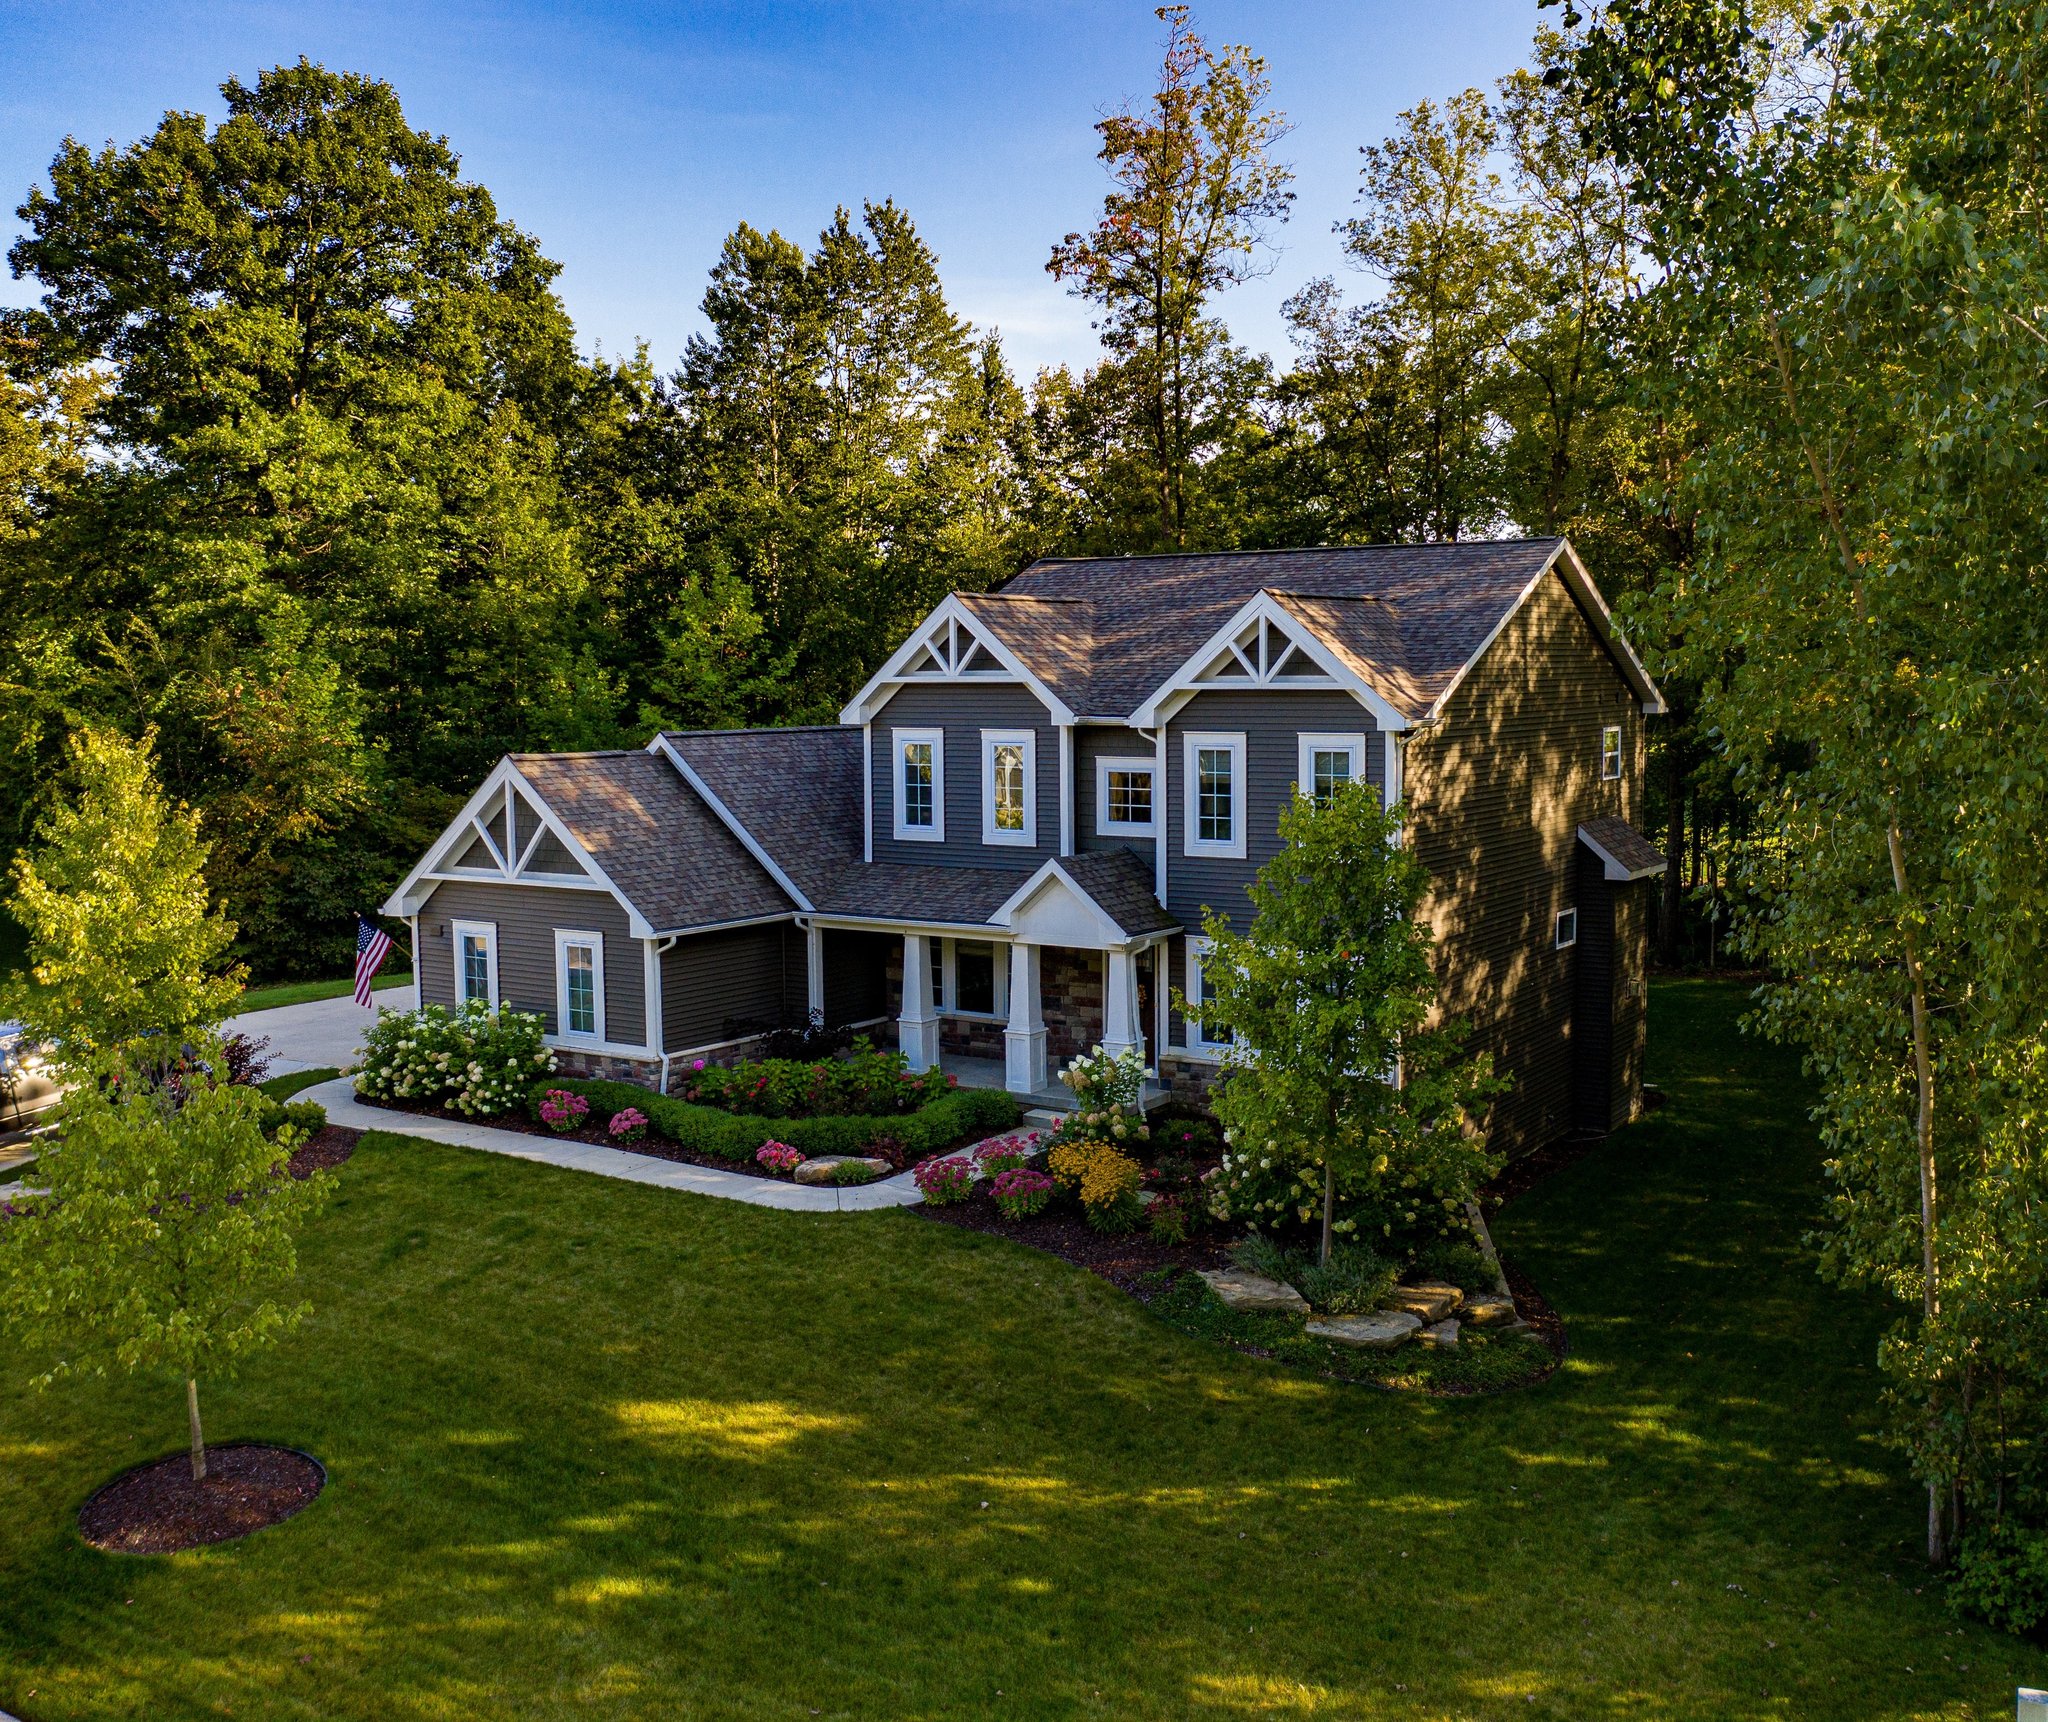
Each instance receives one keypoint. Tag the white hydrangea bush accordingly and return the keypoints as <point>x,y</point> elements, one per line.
<point>473,1060</point>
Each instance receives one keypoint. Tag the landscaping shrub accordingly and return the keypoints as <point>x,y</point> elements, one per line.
<point>472,1060</point>
<point>955,1115</point>
<point>945,1181</point>
<point>1005,1153</point>
<point>1355,1280</point>
<point>2001,1575</point>
<point>1458,1263</point>
<point>778,1157</point>
<point>854,1172</point>
<point>1104,1177</point>
<point>866,1084</point>
<point>562,1111</point>
<point>628,1125</point>
<point>304,1118</point>
<point>1021,1192</point>
<point>1167,1220</point>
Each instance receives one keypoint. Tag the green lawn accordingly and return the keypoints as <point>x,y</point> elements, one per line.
<point>304,992</point>
<point>604,1451</point>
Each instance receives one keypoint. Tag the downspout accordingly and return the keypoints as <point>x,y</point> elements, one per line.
<point>661,946</point>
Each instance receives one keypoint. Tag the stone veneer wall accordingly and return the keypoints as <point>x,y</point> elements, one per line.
<point>1070,991</point>
<point>1189,1080</point>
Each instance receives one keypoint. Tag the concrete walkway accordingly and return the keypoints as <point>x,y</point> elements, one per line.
<point>325,1034</point>
<point>343,1108</point>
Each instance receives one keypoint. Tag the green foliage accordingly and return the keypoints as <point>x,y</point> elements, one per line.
<point>1337,1096</point>
<point>2001,1575</point>
<point>122,945</point>
<point>1354,1281</point>
<point>865,1083</point>
<point>1457,1263</point>
<point>303,1118</point>
<point>472,1060</point>
<point>938,1124</point>
<point>169,1235</point>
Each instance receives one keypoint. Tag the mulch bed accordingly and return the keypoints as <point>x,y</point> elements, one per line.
<point>328,1149</point>
<point>1124,1261</point>
<point>156,1509</point>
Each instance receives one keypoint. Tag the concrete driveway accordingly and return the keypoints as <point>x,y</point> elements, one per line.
<point>327,1032</point>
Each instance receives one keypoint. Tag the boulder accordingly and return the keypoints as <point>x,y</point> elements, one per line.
<point>1488,1309</point>
<point>1443,1334</point>
<point>1381,1332</point>
<point>821,1170</point>
<point>1254,1293</point>
<point>1432,1300</point>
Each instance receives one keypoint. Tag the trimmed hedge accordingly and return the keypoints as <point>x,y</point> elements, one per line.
<point>734,1136</point>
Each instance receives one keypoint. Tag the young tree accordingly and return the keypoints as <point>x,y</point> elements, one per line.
<point>168,1237</point>
<point>122,945</point>
<point>1326,1000</point>
<point>1195,190</point>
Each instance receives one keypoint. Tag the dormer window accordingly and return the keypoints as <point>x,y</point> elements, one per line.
<point>1009,811</point>
<point>1123,798</point>
<point>920,785</point>
<point>1610,752</point>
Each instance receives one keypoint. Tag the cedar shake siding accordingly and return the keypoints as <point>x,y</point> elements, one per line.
<point>1107,741</point>
<point>963,711</point>
<point>722,986</point>
<point>1497,790</point>
<point>526,917</point>
<point>1272,721</point>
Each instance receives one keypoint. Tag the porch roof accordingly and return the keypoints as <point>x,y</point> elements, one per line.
<point>901,891</point>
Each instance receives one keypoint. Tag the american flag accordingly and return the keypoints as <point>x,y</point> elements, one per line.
<point>373,945</point>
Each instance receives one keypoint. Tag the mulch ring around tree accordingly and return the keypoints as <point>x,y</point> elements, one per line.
<point>157,1509</point>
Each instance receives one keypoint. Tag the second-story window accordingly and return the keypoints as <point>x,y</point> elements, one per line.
<point>1327,763</point>
<point>920,785</point>
<point>1214,793</point>
<point>1610,752</point>
<point>1123,798</point>
<point>1008,810</point>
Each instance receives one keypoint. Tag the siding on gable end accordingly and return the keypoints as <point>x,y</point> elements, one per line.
<point>1092,742</point>
<point>713,983</point>
<point>963,711</point>
<point>526,917</point>
<point>1497,790</point>
<point>1273,720</point>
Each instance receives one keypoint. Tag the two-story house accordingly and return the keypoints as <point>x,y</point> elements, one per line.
<point>1000,854</point>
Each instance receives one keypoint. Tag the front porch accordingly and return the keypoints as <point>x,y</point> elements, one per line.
<point>1055,1097</point>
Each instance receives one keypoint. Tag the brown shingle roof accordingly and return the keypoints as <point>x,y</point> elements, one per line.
<point>1121,885</point>
<point>900,891</point>
<point>1146,615</point>
<point>796,791</point>
<point>1625,849</point>
<point>670,855</point>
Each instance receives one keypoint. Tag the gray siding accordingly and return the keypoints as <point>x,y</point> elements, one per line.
<point>526,917</point>
<point>1272,720</point>
<point>1093,742</point>
<point>716,986</point>
<point>963,712</point>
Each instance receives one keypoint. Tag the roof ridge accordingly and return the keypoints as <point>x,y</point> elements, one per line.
<point>764,729</point>
<point>1286,550</point>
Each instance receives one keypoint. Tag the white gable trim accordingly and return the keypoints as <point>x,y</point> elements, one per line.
<point>661,744</point>
<point>1050,909</point>
<point>1573,572</point>
<point>946,640</point>
<point>433,868</point>
<point>1263,617</point>
<point>1618,872</point>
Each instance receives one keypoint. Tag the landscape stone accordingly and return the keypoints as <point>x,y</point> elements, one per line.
<point>1381,1332</point>
<point>1488,1309</point>
<point>820,1170</point>
<point>1431,1300</point>
<point>1254,1293</point>
<point>1443,1333</point>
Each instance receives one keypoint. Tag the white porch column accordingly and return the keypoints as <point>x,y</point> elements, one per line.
<point>1024,1039</point>
<point>1121,1030</point>
<point>814,970</point>
<point>917,1029</point>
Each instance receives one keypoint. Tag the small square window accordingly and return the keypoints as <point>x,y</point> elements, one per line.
<point>1610,752</point>
<point>1123,797</point>
<point>1567,928</point>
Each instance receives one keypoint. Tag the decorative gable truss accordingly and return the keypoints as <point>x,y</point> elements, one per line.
<point>506,835</point>
<point>1262,646</point>
<point>950,645</point>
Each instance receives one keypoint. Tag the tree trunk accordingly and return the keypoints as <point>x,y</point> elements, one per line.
<point>198,1438</point>
<point>1329,1206</point>
<point>1674,864</point>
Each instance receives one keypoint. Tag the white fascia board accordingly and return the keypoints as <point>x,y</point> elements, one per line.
<point>884,682</point>
<point>507,771</point>
<point>1261,605</point>
<point>1566,560</point>
<point>732,824</point>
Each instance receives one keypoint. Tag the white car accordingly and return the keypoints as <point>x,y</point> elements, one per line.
<point>28,1087</point>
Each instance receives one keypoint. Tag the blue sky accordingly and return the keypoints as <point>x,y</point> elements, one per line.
<point>630,138</point>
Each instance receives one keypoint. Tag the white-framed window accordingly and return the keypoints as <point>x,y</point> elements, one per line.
<point>971,979</point>
<point>1213,794</point>
<point>476,961</point>
<point>1009,786</point>
<point>1567,928</point>
<point>1201,1038</point>
<point>579,985</point>
<point>920,778</point>
<point>1325,763</point>
<point>1610,752</point>
<point>1125,804</point>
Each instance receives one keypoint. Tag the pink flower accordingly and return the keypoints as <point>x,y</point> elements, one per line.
<point>779,1156</point>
